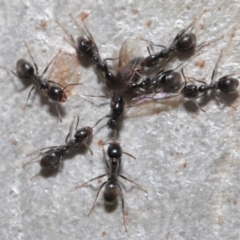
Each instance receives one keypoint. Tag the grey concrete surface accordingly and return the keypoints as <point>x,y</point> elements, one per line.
<point>186,159</point>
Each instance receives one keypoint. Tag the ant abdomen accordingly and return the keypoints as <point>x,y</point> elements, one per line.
<point>57,94</point>
<point>227,85</point>
<point>85,46</point>
<point>24,69</point>
<point>51,159</point>
<point>186,43</point>
<point>83,134</point>
<point>110,193</point>
<point>171,80</point>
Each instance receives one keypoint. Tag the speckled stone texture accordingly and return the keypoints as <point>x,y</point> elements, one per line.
<point>187,160</point>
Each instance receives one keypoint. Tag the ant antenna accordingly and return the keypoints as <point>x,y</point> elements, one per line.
<point>28,49</point>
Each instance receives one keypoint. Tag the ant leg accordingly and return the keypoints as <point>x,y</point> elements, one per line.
<point>46,68</point>
<point>197,105</point>
<point>34,176</point>
<point>82,185</point>
<point>70,130</point>
<point>88,148</point>
<point>99,121</point>
<point>215,68</point>
<point>94,204</point>
<point>123,211</point>
<point>31,161</point>
<point>9,71</point>
<point>203,44</point>
<point>28,97</point>
<point>185,81</point>
<point>130,155</point>
<point>39,155</point>
<point>137,185</point>
<point>219,97</point>
<point>105,158</point>
<point>59,114</point>
<point>28,49</point>
<point>77,123</point>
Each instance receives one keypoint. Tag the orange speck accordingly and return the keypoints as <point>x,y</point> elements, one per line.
<point>149,23</point>
<point>202,26</point>
<point>135,11</point>
<point>200,63</point>
<point>84,15</point>
<point>14,142</point>
<point>235,202</point>
<point>100,143</point>
<point>104,233</point>
<point>185,165</point>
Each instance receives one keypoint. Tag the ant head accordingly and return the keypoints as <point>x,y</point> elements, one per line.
<point>110,193</point>
<point>51,159</point>
<point>112,123</point>
<point>114,150</point>
<point>186,42</point>
<point>83,134</point>
<point>57,94</point>
<point>85,46</point>
<point>24,69</point>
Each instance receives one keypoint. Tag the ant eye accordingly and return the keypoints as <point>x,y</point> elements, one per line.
<point>24,69</point>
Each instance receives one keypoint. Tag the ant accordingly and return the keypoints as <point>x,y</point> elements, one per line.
<point>127,68</point>
<point>169,79</point>
<point>225,84</point>
<point>112,188</point>
<point>52,157</point>
<point>85,45</point>
<point>53,90</point>
<point>184,42</point>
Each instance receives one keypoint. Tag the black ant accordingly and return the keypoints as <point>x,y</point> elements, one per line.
<point>168,79</point>
<point>53,90</point>
<point>52,157</point>
<point>112,188</point>
<point>127,68</point>
<point>225,84</point>
<point>184,42</point>
<point>85,45</point>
